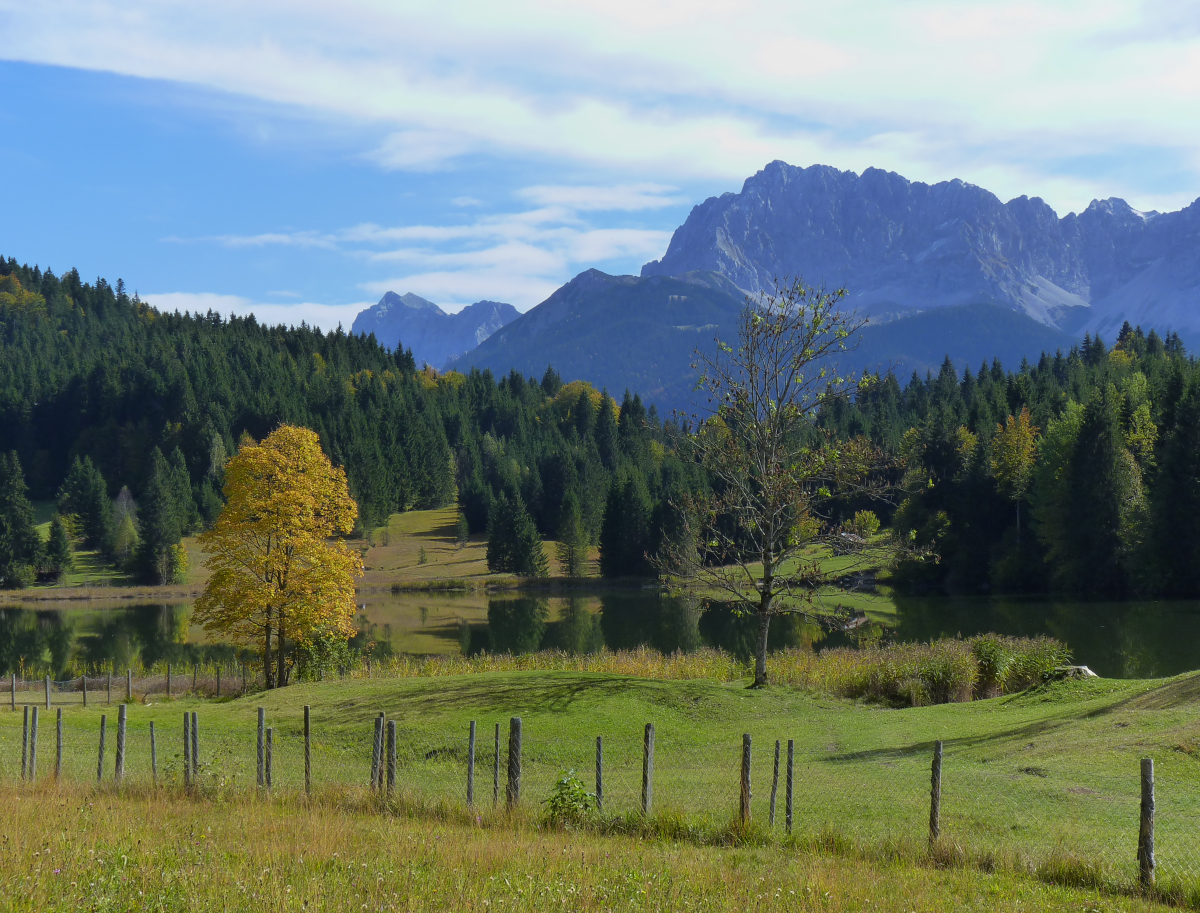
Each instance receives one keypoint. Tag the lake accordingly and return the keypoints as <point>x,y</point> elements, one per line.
<point>1116,639</point>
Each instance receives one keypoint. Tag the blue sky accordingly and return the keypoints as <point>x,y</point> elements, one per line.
<point>299,158</point>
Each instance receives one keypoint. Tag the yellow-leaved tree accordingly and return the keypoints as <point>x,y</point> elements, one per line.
<point>279,578</point>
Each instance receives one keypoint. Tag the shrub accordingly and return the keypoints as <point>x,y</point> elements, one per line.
<point>864,524</point>
<point>570,804</point>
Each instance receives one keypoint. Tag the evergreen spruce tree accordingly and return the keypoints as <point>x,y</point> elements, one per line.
<point>625,529</point>
<point>572,548</point>
<point>1175,542</point>
<point>514,545</point>
<point>85,494</point>
<point>58,549</point>
<point>607,437</point>
<point>1103,497</point>
<point>20,544</point>
<point>162,525</point>
<point>462,530</point>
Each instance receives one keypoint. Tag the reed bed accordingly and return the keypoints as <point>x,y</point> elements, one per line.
<point>942,672</point>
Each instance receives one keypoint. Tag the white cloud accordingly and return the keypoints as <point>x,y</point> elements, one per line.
<point>1010,94</point>
<point>325,316</point>
<point>625,197</point>
<point>520,258</point>
<point>466,201</point>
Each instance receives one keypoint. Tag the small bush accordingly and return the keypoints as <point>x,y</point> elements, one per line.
<point>570,804</point>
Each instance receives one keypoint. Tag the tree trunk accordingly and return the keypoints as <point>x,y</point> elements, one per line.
<point>269,679</point>
<point>280,673</point>
<point>760,652</point>
<point>1018,526</point>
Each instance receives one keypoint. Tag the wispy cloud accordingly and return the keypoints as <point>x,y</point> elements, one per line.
<point>1009,94</point>
<point>519,256</point>
<point>622,197</point>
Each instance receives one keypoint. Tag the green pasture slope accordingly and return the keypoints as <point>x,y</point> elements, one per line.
<point>1046,775</point>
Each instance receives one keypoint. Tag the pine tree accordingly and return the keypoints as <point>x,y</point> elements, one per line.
<point>462,530</point>
<point>625,529</point>
<point>85,494</point>
<point>572,548</point>
<point>58,548</point>
<point>1176,513</point>
<point>20,544</point>
<point>607,438</point>
<point>162,525</point>
<point>514,545</point>
<point>1102,504</point>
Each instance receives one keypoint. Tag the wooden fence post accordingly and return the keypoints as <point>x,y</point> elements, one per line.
<point>83,679</point>
<point>128,684</point>
<point>33,728</point>
<point>307,751</point>
<point>1145,853</point>
<point>153,757</point>
<point>391,758</point>
<point>496,770</point>
<point>195,676</point>
<point>218,679</point>
<point>168,680</point>
<point>935,795</point>
<point>377,759</point>
<point>262,735</point>
<point>270,756</point>
<point>745,799</point>
<point>47,692</point>
<point>25,746</point>
<point>648,770</point>
<point>599,773</point>
<point>14,691</point>
<point>187,749</point>
<point>100,758</point>
<point>787,801</point>
<point>774,785</point>
<point>471,767</point>
<point>119,772</point>
<point>514,762</point>
<point>195,745</point>
<point>58,748</point>
<point>110,686</point>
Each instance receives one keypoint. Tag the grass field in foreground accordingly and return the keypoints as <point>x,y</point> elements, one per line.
<point>96,852</point>
<point>1027,779</point>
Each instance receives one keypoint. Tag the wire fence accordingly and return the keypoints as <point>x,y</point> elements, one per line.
<point>1086,824</point>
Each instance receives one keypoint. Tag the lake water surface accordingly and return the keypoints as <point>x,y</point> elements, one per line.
<point>1116,639</point>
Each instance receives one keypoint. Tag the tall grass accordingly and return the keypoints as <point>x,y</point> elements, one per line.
<point>915,674</point>
<point>942,672</point>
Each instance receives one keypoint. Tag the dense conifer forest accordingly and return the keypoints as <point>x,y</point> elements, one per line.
<point>1080,473</point>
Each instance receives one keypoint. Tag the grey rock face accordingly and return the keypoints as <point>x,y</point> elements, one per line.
<point>901,246</point>
<point>434,336</point>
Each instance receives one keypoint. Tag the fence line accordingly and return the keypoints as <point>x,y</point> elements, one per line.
<point>1137,828</point>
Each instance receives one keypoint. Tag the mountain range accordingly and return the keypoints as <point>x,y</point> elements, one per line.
<point>433,335</point>
<point>939,270</point>
<point>900,246</point>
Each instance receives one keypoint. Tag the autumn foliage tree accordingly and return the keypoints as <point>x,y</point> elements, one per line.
<point>279,577</point>
<point>1014,454</point>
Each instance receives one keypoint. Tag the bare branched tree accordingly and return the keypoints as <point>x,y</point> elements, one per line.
<point>773,471</point>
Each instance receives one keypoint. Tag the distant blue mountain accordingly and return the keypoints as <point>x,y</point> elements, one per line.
<point>626,332</point>
<point>433,335</point>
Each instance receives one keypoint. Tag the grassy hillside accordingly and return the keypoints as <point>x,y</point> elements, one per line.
<point>162,853</point>
<point>1044,781</point>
